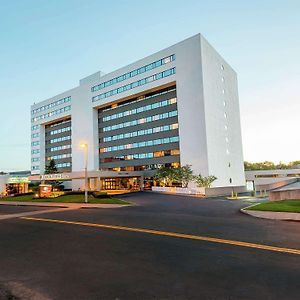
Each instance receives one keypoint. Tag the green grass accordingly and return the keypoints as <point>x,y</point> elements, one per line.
<point>279,206</point>
<point>66,199</point>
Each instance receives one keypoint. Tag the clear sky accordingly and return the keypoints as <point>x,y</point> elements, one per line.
<point>47,46</point>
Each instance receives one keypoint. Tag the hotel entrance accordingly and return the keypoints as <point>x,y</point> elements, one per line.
<point>123,183</point>
<point>16,188</point>
<point>16,185</point>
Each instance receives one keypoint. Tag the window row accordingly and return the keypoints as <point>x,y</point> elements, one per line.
<point>34,159</point>
<point>135,84</point>
<point>143,167</point>
<point>55,103</point>
<point>61,130</point>
<point>60,156</point>
<point>60,139</point>
<point>34,168</point>
<point>140,98</point>
<point>52,113</point>
<point>140,156</point>
<point>35,151</point>
<point>140,132</point>
<point>35,143</point>
<point>133,73</point>
<point>59,123</point>
<point>150,143</point>
<point>35,135</point>
<point>58,148</point>
<point>140,109</point>
<point>64,165</point>
<point>141,121</point>
<point>35,127</point>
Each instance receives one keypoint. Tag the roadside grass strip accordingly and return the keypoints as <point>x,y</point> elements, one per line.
<point>172,234</point>
<point>278,206</point>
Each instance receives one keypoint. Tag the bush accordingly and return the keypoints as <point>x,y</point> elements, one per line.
<point>24,194</point>
<point>100,195</point>
<point>90,193</point>
<point>76,193</point>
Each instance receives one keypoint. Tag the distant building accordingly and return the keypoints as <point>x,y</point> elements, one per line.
<point>175,107</point>
<point>14,182</point>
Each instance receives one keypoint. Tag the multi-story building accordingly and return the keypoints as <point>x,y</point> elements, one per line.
<point>175,107</point>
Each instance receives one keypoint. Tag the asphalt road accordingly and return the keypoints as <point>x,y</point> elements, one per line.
<point>48,260</point>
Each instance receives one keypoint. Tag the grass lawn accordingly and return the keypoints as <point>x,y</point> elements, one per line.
<point>66,199</point>
<point>281,206</point>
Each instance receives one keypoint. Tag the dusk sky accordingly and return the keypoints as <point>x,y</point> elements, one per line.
<point>47,46</point>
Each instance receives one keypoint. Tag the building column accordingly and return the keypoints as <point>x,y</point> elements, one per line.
<point>142,182</point>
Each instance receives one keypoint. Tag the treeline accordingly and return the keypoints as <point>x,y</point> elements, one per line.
<point>269,165</point>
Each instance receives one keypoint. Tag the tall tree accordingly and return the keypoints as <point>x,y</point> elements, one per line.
<point>51,167</point>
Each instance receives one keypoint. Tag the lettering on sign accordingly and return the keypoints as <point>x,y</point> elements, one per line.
<point>55,176</point>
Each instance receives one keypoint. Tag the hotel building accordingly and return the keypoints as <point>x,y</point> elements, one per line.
<point>175,107</point>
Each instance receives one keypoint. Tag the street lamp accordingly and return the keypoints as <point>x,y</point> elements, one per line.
<point>85,146</point>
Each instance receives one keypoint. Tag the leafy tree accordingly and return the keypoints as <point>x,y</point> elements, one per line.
<point>184,175</point>
<point>51,168</point>
<point>203,181</point>
<point>268,165</point>
<point>166,176</point>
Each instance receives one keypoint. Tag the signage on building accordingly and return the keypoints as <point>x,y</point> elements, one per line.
<point>13,180</point>
<point>55,176</point>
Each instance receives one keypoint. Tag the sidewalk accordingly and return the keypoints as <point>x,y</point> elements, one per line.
<point>63,205</point>
<point>272,215</point>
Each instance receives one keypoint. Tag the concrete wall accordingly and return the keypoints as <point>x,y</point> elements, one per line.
<point>222,118</point>
<point>273,184</point>
<point>3,181</point>
<point>208,192</point>
<point>284,195</point>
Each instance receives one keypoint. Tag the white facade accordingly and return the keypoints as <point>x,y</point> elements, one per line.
<point>208,111</point>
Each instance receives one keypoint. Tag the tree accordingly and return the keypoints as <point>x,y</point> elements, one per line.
<point>51,168</point>
<point>184,175</point>
<point>165,176</point>
<point>203,181</point>
<point>268,165</point>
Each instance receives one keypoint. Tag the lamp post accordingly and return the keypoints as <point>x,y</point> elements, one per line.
<point>85,146</point>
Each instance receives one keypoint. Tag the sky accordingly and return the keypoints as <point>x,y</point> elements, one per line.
<point>47,46</point>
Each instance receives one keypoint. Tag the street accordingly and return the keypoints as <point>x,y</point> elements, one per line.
<point>71,257</point>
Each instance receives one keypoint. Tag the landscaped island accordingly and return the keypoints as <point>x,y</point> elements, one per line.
<point>94,198</point>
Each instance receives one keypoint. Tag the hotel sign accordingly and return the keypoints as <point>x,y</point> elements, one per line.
<point>12,180</point>
<point>55,176</point>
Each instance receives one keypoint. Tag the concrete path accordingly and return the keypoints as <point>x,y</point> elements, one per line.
<point>32,213</point>
<point>63,205</point>
<point>53,207</point>
<point>272,215</point>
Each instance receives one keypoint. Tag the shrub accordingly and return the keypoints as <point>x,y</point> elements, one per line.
<point>100,195</point>
<point>203,181</point>
<point>24,194</point>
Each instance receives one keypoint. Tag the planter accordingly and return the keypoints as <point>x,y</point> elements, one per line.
<point>179,190</point>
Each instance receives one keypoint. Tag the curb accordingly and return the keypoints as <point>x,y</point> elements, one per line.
<point>271,215</point>
<point>63,205</point>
